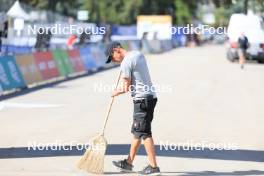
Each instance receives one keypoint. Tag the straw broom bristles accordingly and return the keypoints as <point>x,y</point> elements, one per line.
<point>93,159</point>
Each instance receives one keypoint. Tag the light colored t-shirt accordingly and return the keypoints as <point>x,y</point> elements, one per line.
<point>134,67</point>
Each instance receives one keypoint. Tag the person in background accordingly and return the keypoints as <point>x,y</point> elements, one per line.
<point>48,37</point>
<point>71,40</point>
<point>242,48</point>
<point>84,39</point>
<point>107,36</point>
<point>39,40</point>
<point>144,45</point>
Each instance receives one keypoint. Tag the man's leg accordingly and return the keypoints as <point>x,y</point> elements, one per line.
<point>150,149</point>
<point>127,164</point>
<point>133,150</point>
<point>242,58</point>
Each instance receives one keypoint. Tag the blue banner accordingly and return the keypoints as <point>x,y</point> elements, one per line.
<point>124,30</point>
<point>86,56</point>
<point>16,49</point>
<point>10,75</point>
<point>99,53</point>
<point>1,90</point>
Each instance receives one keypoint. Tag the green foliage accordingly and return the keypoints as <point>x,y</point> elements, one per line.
<point>221,16</point>
<point>64,7</point>
<point>182,12</point>
<point>117,11</point>
<point>36,3</point>
<point>126,11</point>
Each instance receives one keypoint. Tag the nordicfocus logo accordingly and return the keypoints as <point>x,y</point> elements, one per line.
<point>203,145</point>
<point>199,29</point>
<point>102,87</point>
<point>65,29</point>
<point>64,146</point>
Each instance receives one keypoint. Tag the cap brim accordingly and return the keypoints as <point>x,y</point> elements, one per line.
<point>109,59</point>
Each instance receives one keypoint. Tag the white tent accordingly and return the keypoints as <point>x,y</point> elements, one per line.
<point>16,11</point>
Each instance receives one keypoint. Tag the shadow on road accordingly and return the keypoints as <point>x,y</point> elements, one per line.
<point>202,173</point>
<point>213,173</point>
<point>122,149</point>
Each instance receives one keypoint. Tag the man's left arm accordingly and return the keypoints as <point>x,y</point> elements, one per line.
<point>123,87</point>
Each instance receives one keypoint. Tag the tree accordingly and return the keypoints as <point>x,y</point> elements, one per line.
<point>118,11</point>
<point>65,7</point>
<point>184,11</point>
<point>245,6</point>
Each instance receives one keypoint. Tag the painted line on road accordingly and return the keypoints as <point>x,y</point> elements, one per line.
<point>28,105</point>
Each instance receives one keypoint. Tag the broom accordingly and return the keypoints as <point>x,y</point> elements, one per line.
<point>93,158</point>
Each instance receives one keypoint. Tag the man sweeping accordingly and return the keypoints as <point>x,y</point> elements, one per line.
<point>136,79</point>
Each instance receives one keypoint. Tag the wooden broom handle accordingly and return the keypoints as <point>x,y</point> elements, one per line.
<point>110,105</point>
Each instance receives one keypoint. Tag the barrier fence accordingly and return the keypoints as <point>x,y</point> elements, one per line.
<point>26,70</point>
<point>10,74</point>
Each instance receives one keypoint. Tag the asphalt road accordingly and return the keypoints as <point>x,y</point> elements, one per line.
<point>203,100</point>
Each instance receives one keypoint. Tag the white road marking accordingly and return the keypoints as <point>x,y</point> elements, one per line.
<point>28,105</point>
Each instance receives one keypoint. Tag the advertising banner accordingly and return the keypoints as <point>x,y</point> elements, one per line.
<point>87,58</point>
<point>76,61</point>
<point>28,68</point>
<point>157,27</point>
<point>10,75</point>
<point>124,30</point>
<point>1,90</point>
<point>97,54</point>
<point>46,65</point>
<point>62,61</point>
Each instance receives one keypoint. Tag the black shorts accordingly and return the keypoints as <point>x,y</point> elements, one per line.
<point>142,117</point>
